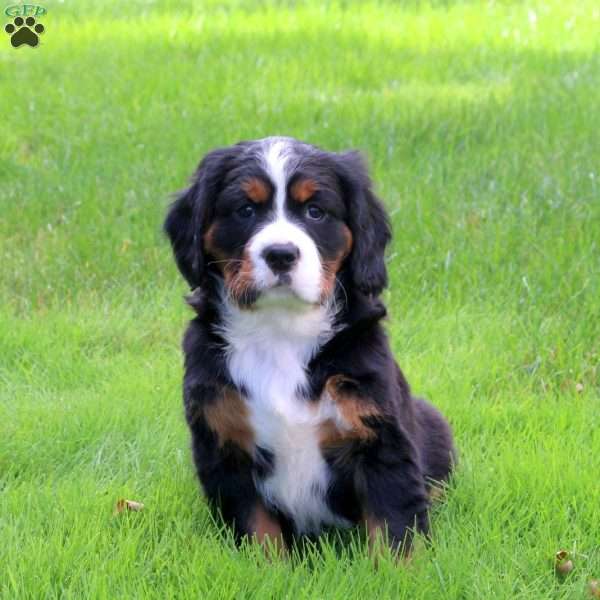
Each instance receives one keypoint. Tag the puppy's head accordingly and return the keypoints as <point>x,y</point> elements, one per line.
<point>280,220</point>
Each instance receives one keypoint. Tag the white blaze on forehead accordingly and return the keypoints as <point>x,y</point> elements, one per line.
<point>276,156</point>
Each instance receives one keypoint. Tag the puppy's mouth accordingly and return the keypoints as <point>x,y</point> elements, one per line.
<point>249,285</point>
<point>283,281</point>
<point>280,293</point>
<point>282,289</point>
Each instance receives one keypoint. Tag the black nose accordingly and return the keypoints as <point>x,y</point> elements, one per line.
<point>281,257</point>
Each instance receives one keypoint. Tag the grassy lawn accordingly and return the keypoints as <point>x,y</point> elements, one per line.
<point>481,122</point>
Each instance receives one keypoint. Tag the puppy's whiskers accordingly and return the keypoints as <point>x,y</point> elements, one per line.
<point>225,260</point>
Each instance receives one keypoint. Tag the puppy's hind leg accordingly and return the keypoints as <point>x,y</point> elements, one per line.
<point>436,446</point>
<point>392,488</point>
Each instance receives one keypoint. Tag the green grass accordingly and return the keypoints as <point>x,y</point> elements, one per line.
<point>481,123</point>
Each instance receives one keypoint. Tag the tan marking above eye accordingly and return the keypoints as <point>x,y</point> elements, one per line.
<point>303,190</point>
<point>257,190</point>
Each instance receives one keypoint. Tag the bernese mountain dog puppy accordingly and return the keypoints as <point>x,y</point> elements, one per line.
<point>299,415</point>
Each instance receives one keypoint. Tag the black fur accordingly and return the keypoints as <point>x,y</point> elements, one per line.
<point>367,218</point>
<point>386,477</point>
<point>188,215</point>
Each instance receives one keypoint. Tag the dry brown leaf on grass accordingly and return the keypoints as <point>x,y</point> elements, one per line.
<point>123,505</point>
<point>594,588</point>
<point>563,564</point>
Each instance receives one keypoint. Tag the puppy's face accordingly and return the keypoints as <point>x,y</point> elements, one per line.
<point>278,229</point>
<point>277,220</point>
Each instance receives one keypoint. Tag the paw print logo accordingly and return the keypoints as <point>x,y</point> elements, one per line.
<point>24,31</point>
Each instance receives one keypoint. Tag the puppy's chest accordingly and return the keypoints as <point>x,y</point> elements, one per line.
<point>289,426</point>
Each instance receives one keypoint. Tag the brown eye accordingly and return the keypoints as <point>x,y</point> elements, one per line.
<point>314,212</point>
<point>246,211</point>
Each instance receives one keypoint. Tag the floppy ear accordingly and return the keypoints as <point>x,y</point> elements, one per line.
<point>368,222</point>
<point>190,213</point>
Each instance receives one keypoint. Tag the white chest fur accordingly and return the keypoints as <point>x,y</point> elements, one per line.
<point>268,350</point>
